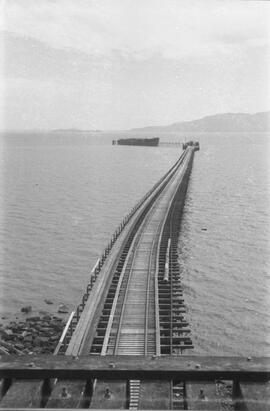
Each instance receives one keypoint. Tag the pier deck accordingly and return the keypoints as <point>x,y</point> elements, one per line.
<point>132,305</point>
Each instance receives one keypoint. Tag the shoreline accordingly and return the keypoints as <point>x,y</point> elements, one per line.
<point>31,333</point>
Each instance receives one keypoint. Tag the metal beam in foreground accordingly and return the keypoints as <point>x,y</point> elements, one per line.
<point>248,377</point>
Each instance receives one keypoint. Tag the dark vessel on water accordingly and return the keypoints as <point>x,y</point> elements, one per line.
<point>152,142</point>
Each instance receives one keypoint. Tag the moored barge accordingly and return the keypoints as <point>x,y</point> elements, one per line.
<point>152,142</point>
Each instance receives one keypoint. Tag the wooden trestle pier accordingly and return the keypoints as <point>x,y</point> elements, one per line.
<point>126,345</point>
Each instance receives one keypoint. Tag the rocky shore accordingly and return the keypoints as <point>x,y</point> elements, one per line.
<point>34,335</point>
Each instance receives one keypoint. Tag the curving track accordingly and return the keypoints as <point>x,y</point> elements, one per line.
<point>125,320</point>
<point>136,306</point>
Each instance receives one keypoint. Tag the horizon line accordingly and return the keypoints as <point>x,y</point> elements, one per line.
<point>97,130</point>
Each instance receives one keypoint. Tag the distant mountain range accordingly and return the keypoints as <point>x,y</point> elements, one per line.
<point>227,122</point>
<point>74,130</point>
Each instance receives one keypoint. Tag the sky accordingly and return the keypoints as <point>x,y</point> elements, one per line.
<point>119,64</point>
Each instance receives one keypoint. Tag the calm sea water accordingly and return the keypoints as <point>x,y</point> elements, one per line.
<point>63,195</point>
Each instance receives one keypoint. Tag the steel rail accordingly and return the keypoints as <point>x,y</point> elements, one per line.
<point>146,317</point>
<point>131,254</point>
<point>155,240</point>
<point>142,229</point>
<point>170,224</point>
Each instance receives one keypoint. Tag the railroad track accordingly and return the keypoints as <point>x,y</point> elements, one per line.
<point>142,310</point>
<point>112,263</point>
<point>132,329</point>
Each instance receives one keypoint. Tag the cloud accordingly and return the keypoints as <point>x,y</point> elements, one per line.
<point>139,29</point>
<point>30,58</point>
<point>127,63</point>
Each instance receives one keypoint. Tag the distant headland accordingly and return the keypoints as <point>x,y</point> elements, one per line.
<point>223,122</point>
<point>227,122</point>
